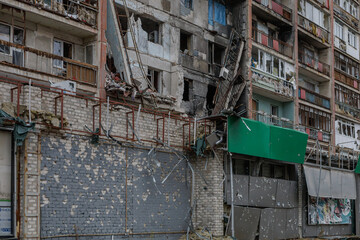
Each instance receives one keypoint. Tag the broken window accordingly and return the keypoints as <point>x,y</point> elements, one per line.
<point>18,36</point>
<point>270,64</point>
<point>6,185</point>
<point>217,13</point>
<point>216,54</point>
<point>241,167</point>
<point>211,90</point>
<point>153,30</point>
<point>154,78</point>
<point>188,4</point>
<point>89,51</point>
<point>62,49</point>
<point>187,89</point>
<point>185,42</point>
<point>5,36</point>
<point>313,118</point>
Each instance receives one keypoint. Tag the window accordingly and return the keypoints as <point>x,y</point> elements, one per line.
<point>6,185</point>
<point>154,78</point>
<point>210,98</point>
<point>313,118</point>
<point>153,30</point>
<point>339,30</point>
<point>188,4</point>
<point>217,13</point>
<point>5,36</point>
<point>271,64</point>
<point>62,49</point>
<point>187,89</point>
<point>314,14</point>
<point>89,52</point>
<point>216,54</point>
<point>352,39</point>
<point>274,113</point>
<point>346,65</point>
<point>185,42</point>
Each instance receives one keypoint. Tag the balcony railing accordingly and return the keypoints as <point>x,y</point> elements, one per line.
<point>314,29</point>
<point>316,134</point>
<point>346,17</point>
<point>346,79</point>
<point>33,60</point>
<point>275,44</point>
<point>279,86</point>
<point>317,65</point>
<point>346,109</point>
<point>313,97</point>
<point>272,119</point>
<point>84,11</point>
<point>277,8</point>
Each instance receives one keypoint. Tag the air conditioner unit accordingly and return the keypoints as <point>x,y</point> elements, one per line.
<point>66,85</point>
<point>224,73</point>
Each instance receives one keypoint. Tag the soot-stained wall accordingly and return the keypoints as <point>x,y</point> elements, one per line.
<point>84,185</point>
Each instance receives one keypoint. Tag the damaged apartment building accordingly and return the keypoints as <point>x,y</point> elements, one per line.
<point>163,119</point>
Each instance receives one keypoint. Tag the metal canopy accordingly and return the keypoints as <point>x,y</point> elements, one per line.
<point>333,183</point>
<point>254,138</point>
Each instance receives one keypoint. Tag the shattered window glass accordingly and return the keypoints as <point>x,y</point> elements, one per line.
<point>18,36</point>
<point>5,36</point>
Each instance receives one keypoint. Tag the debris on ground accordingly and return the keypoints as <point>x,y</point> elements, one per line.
<point>202,234</point>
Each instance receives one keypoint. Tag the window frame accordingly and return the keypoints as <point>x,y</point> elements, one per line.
<point>352,39</point>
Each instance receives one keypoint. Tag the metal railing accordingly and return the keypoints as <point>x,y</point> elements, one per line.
<point>316,134</point>
<point>345,158</point>
<point>346,79</point>
<point>346,17</point>
<point>314,29</point>
<point>272,119</point>
<point>84,11</point>
<point>275,44</point>
<point>314,97</point>
<point>13,55</point>
<point>277,85</point>
<point>277,8</point>
<point>317,65</point>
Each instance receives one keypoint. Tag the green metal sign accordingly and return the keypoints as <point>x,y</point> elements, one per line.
<point>357,169</point>
<point>250,137</point>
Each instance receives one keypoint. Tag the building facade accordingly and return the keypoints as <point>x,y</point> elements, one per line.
<point>150,119</point>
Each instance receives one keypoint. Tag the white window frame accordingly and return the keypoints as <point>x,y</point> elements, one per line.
<point>93,47</point>
<point>339,30</point>
<point>352,39</point>
<point>262,67</point>
<point>61,54</point>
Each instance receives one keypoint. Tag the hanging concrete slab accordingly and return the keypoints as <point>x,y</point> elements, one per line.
<point>246,222</point>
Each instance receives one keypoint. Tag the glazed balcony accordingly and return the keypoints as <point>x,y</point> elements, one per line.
<point>276,8</point>
<point>319,33</point>
<point>347,110</point>
<point>314,64</point>
<point>83,11</point>
<point>35,61</point>
<point>314,98</point>
<point>346,79</point>
<point>346,17</point>
<point>272,43</point>
<point>284,89</point>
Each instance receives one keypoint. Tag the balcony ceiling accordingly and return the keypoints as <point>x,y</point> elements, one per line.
<point>267,15</point>
<point>270,94</point>
<point>312,74</point>
<point>311,39</point>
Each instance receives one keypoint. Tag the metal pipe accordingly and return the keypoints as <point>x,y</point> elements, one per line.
<point>29,101</point>
<point>107,116</point>
<point>195,131</point>
<point>232,197</point>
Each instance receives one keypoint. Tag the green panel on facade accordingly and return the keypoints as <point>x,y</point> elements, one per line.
<point>357,169</point>
<point>242,140</point>
<point>265,141</point>
<point>287,144</point>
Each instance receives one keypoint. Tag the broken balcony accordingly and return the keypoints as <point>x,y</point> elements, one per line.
<point>314,98</point>
<point>276,9</point>
<point>320,34</point>
<point>347,101</point>
<point>313,63</point>
<point>273,120</point>
<point>36,61</point>
<point>346,71</point>
<point>315,123</point>
<point>84,11</point>
<point>284,89</point>
<point>273,43</point>
<point>346,17</point>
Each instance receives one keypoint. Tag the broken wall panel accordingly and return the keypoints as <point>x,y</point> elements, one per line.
<point>262,192</point>
<point>246,222</point>
<point>267,221</point>
<point>241,190</point>
<point>292,228</point>
<point>286,194</point>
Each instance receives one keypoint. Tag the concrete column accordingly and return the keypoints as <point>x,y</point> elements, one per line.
<point>102,23</point>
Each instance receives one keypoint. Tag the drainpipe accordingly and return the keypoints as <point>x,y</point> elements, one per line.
<point>232,197</point>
